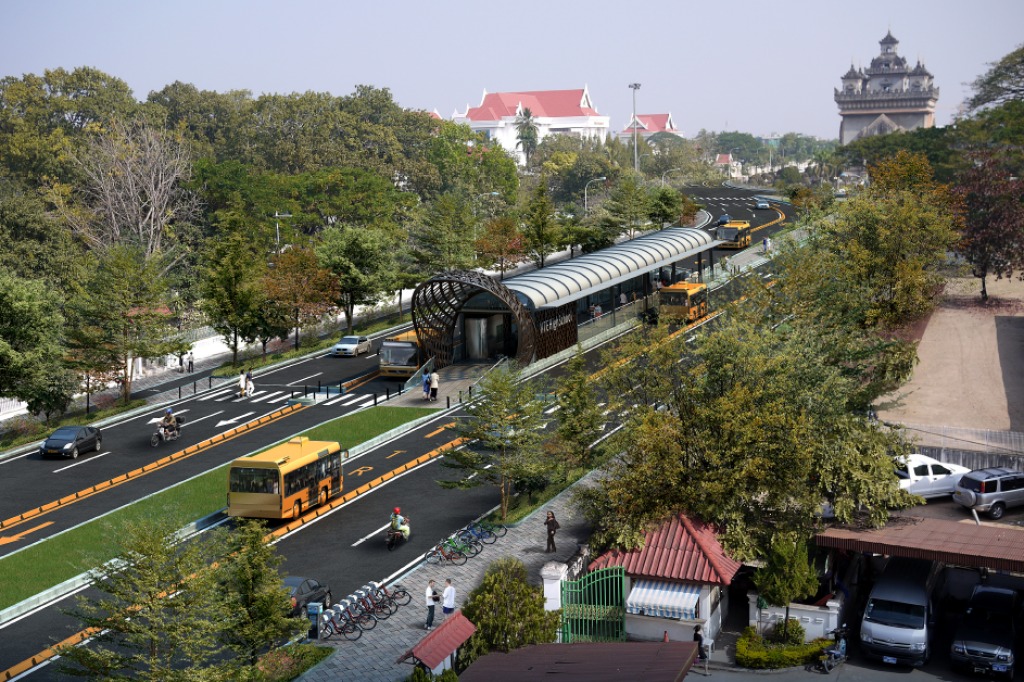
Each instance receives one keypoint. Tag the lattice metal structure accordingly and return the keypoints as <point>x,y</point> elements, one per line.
<point>436,305</point>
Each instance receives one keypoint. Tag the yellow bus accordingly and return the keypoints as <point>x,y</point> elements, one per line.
<point>400,355</point>
<point>684,300</point>
<point>286,479</point>
<point>736,234</point>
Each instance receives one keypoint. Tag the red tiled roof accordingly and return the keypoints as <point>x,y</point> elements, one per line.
<point>724,159</point>
<point>679,549</point>
<point>541,103</point>
<point>586,662</point>
<point>653,123</point>
<point>962,544</point>
<point>433,649</point>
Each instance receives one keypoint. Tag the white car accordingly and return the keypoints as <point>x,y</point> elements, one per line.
<point>761,203</point>
<point>928,477</point>
<point>351,345</point>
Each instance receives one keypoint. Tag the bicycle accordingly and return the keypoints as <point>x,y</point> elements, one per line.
<point>379,608</point>
<point>441,554</point>
<point>475,532</point>
<point>355,612</point>
<point>498,529</point>
<point>399,596</point>
<point>334,620</point>
<point>470,549</point>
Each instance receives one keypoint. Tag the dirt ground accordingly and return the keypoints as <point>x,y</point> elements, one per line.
<point>970,371</point>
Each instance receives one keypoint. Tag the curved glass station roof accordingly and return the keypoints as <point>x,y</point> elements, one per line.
<point>568,281</point>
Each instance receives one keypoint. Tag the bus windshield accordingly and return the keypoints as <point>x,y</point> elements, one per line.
<point>253,480</point>
<point>399,353</point>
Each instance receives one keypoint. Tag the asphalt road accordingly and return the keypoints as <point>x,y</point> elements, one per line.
<point>344,548</point>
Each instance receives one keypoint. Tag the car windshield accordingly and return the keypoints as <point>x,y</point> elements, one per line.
<point>65,432</point>
<point>894,613</point>
<point>349,340</point>
<point>398,353</point>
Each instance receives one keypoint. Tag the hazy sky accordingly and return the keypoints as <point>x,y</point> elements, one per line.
<point>758,67</point>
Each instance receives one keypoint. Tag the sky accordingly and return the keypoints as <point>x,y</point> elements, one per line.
<point>721,65</point>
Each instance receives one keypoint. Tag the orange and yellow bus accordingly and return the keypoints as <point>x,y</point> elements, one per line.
<point>281,482</point>
<point>736,234</point>
<point>684,300</point>
<point>400,355</point>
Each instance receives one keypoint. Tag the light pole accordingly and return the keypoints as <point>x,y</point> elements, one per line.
<point>277,227</point>
<point>636,160</point>
<point>586,208</point>
<point>670,170</point>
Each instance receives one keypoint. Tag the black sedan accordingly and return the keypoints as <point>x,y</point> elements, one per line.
<point>69,441</point>
<point>305,591</point>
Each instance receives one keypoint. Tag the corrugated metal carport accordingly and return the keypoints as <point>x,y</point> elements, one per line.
<point>995,547</point>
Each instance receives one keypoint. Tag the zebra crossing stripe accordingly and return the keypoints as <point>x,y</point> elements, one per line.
<point>277,400</point>
<point>270,394</point>
<point>215,394</point>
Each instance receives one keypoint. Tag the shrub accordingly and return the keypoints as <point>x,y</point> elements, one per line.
<point>792,635</point>
<point>753,652</point>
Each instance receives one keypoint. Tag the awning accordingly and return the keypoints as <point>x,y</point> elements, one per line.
<point>663,599</point>
<point>433,649</point>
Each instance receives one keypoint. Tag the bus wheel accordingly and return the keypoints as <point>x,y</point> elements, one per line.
<point>323,497</point>
<point>297,510</point>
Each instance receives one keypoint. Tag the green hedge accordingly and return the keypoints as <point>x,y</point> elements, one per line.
<point>753,652</point>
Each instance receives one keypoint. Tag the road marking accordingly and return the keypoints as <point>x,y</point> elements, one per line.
<point>268,395</point>
<point>371,535</point>
<point>196,421</point>
<point>311,376</point>
<point>359,471</point>
<point>443,428</point>
<point>396,452</point>
<point>345,399</point>
<point>84,461</point>
<point>552,409</point>
<point>8,539</point>
<point>235,420</point>
<point>215,394</point>
<point>286,396</point>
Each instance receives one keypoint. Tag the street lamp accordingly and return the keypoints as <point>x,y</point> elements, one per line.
<point>586,209</point>
<point>670,170</point>
<point>277,227</point>
<point>636,161</point>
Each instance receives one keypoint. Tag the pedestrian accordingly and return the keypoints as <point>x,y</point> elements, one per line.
<point>191,362</point>
<point>435,383</point>
<point>764,245</point>
<point>432,598</point>
<point>448,598</point>
<point>699,639</point>
<point>426,385</point>
<point>552,525</point>
<point>622,298</point>
<point>181,364</point>
<point>598,312</point>
<point>241,384</point>
<point>768,244</point>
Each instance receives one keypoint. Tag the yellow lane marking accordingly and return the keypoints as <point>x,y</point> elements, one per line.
<point>47,654</point>
<point>149,468</point>
<point>360,471</point>
<point>443,428</point>
<point>396,452</point>
<point>7,539</point>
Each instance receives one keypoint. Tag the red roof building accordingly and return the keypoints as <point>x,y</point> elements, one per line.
<point>436,649</point>
<point>564,112</point>
<point>650,124</point>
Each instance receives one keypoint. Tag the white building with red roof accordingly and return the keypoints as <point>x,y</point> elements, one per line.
<point>650,124</point>
<point>555,112</point>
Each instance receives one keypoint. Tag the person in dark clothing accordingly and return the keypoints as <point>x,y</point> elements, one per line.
<point>699,639</point>
<point>552,525</point>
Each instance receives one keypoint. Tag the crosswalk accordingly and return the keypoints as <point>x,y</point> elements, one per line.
<point>270,397</point>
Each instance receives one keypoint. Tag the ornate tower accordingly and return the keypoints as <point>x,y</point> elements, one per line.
<point>885,97</point>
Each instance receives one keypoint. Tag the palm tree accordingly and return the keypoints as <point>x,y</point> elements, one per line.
<point>526,132</point>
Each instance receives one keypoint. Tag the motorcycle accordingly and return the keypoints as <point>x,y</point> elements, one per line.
<point>394,538</point>
<point>163,434</point>
<point>833,656</point>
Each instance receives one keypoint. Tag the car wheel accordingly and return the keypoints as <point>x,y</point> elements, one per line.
<point>997,510</point>
<point>99,443</point>
<point>74,453</point>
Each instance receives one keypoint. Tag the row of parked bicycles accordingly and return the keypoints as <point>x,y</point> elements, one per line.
<point>465,543</point>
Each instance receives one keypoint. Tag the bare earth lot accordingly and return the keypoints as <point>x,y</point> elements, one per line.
<point>971,362</point>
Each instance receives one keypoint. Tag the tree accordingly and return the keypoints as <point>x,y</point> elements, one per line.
<point>231,289</point>
<point>501,244</point>
<point>159,612</point>
<point>579,417</point>
<point>508,612</point>
<point>505,425</point>
<point>31,345</point>
<point>362,260</point>
<point>993,236</point>
<point>628,206</point>
<point>1002,83</point>
<point>540,229</point>
<point>299,288</point>
<point>665,205</point>
<point>257,599</point>
<point>787,575</point>
<point>444,239</point>
<point>120,315</point>
<point>527,133</point>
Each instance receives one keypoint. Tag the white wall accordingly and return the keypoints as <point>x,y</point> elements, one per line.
<point>817,621</point>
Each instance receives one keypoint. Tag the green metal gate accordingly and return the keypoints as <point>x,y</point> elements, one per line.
<point>594,607</point>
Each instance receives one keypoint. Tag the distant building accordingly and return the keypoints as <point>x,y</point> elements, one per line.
<point>886,97</point>
<point>650,124</point>
<point>556,112</point>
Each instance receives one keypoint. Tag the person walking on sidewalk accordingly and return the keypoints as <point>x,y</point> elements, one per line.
<point>552,525</point>
<point>448,599</point>
<point>241,384</point>
<point>435,383</point>
<point>432,599</point>
<point>191,363</point>
<point>426,386</point>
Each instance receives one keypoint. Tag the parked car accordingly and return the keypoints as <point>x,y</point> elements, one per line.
<point>723,219</point>
<point>761,203</point>
<point>351,345</point>
<point>986,634</point>
<point>992,490</point>
<point>928,477</point>
<point>70,441</point>
<point>304,591</point>
<point>898,621</point>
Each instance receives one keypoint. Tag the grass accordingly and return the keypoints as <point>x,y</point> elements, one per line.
<point>26,429</point>
<point>80,549</point>
<point>288,662</point>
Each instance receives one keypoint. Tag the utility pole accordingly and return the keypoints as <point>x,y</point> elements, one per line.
<point>277,227</point>
<point>636,159</point>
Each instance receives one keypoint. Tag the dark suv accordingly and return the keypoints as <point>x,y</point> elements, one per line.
<point>992,490</point>
<point>985,635</point>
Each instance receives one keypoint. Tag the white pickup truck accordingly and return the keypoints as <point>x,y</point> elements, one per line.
<point>928,477</point>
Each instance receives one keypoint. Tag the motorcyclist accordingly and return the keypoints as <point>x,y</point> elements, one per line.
<point>400,523</point>
<point>169,424</point>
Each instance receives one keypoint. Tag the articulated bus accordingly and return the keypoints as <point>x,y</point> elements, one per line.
<point>286,479</point>
<point>736,234</point>
<point>400,355</point>
<point>684,300</point>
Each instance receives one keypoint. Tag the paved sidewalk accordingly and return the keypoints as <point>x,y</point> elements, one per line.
<point>372,657</point>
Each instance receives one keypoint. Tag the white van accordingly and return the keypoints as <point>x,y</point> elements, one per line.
<point>899,617</point>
